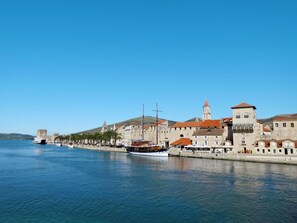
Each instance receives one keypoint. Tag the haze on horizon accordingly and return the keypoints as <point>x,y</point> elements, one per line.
<point>68,66</point>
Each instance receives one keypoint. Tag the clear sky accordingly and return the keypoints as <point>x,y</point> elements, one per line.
<point>70,65</point>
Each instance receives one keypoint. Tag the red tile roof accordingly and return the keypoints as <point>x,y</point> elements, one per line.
<point>186,124</point>
<point>285,118</point>
<point>243,105</point>
<point>226,120</point>
<point>265,129</point>
<point>160,122</point>
<point>210,124</point>
<point>182,142</point>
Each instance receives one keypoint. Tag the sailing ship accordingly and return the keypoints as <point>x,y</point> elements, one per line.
<point>147,148</point>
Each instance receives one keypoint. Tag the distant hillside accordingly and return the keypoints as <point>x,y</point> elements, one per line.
<point>193,120</point>
<point>148,120</point>
<point>15,136</point>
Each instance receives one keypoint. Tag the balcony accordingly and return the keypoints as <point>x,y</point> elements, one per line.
<point>243,128</point>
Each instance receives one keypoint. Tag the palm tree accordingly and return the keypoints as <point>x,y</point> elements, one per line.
<point>116,136</point>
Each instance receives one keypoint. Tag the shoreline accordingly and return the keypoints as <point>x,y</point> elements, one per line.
<point>288,160</point>
<point>101,148</point>
<point>176,152</point>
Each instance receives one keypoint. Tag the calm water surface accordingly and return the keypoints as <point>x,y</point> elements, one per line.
<point>45,183</point>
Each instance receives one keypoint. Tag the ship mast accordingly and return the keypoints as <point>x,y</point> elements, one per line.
<point>157,130</point>
<point>142,123</point>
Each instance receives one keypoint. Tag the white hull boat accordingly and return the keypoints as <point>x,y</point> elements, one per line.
<point>38,140</point>
<point>156,154</point>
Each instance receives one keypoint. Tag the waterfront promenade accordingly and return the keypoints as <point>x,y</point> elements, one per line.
<point>101,148</point>
<point>281,159</point>
<point>176,152</point>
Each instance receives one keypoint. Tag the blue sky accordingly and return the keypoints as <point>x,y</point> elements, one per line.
<point>68,66</point>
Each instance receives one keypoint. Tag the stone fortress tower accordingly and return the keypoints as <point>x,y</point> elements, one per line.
<point>42,133</point>
<point>206,113</point>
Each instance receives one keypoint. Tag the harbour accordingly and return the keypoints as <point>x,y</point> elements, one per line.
<point>46,183</point>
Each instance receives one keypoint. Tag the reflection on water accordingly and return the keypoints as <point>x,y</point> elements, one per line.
<point>55,184</point>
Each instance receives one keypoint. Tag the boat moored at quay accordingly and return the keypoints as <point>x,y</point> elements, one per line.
<point>146,148</point>
<point>39,140</point>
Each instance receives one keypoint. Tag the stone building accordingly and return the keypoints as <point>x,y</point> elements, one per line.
<point>42,133</point>
<point>214,134</point>
<point>285,128</point>
<point>183,130</point>
<point>246,129</point>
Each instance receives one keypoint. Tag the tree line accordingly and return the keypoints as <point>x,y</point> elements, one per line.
<point>108,138</point>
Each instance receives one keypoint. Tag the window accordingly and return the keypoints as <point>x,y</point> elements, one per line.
<point>284,125</point>
<point>237,116</point>
<point>269,150</point>
<point>280,150</point>
<point>274,151</point>
<point>263,150</point>
<point>276,124</point>
<point>292,125</point>
<point>217,143</point>
<point>258,150</point>
<point>246,115</point>
<point>205,137</point>
<point>291,151</point>
<point>205,143</point>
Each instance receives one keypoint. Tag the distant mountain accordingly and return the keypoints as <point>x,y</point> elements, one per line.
<point>15,136</point>
<point>148,120</point>
<point>193,120</point>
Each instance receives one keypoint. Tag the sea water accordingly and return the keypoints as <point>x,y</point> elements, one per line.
<point>45,183</point>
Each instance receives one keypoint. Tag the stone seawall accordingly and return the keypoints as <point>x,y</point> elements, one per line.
<point>101,148</point>
<point>280,159</point>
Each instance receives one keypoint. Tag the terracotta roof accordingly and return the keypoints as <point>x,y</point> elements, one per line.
<point>160,122</point>
<point>182,142</point>
<point>210,124</point>
<point>279,143</point>
<point>186,124</point>
<point>265,129</point>
<point>209,132</point>
<point>285,118</point>
<point>226,120</point>
<point>243,105</point>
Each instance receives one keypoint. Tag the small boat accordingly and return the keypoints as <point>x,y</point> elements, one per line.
<point>58,144</point>
<point>39,140</point>
<point>145,148</point>
<point>70,145</point>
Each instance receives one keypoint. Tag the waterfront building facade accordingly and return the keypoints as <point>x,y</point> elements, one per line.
<point>285,127</point>
<point>246,129</point>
